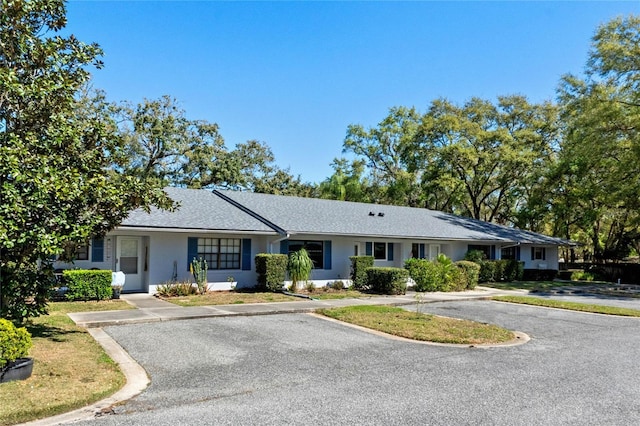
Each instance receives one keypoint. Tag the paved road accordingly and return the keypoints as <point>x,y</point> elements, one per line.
<point>296,369</point>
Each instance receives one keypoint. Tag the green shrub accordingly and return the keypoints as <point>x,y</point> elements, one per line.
<point>384,280</point>
<point>424,273</point>
<point>582,276</point>
<point>487,271</point>
<point>176,289</point>
<point>448,272</point>
<point>457,280</point>
<point>359,265</point>
<point>476,256</point>
<point>499,267</point>
<point>470,273</point>
<point>299,267</point>
<point>513,270</point>
<point>88,284</point>
<point>272,270</point>
<point>337,285</point>
<point>14,342</point>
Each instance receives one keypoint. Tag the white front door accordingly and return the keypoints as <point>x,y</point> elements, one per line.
<point>129,261</point>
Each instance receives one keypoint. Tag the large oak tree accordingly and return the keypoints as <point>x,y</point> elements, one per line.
<point>61,158</point>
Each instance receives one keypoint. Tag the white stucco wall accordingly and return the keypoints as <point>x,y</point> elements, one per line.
<point>166,248</point>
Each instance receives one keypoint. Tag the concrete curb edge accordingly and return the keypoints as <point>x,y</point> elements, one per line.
<point>136,377</point>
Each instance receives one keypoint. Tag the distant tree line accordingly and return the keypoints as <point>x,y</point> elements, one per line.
<point>73,164</point>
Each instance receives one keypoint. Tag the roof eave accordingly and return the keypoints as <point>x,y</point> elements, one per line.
<point>191,230</point>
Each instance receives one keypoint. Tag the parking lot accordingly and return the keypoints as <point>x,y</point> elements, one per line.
<point>297,369</point>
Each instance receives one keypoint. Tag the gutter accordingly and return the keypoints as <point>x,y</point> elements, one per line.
<point>512,245</point>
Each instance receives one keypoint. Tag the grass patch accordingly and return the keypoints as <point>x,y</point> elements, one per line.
<point>535,285</point>
<point>70,370</point>
<point>572,306</point>
<point>419,326</point>
<point>327,294</point>
<point>89,306</point>
<point>229,298</point>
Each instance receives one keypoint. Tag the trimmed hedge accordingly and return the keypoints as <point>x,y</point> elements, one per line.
<point>539,274</point>
<point>425,273</point>
<point>14,342</point>
<point>359,265</point>
<point>272,270</point>
<point>501,270</point>
<point>469,272</point>
<point>388,280</point>
<point>87,284</point>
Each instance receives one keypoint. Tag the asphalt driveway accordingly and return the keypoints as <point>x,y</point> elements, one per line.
<point>296,369</point>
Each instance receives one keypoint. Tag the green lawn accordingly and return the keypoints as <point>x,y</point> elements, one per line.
<point>337,294</point>
<point>229,298</point>
<point>419,326</point>
<point>70,368</point>
<point>573,306</point>
<point>535,285</point>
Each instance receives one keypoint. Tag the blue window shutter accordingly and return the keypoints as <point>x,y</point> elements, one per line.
<point>532,253</point>
<point>284,247</point>
<point>518,253</point>
<point>389,251</point>
<point>246,254</point>
<point>368,248</point>
<point>327,255</point>
<point>192,250</point>
<point>97,250</point>
<point>493,252</point>
<point>544,253</point>
<point>421,251</point>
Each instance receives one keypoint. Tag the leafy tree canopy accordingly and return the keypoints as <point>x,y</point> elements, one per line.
<point>61,159</point>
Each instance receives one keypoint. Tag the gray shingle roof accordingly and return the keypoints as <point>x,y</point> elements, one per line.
<point>251,212</point>
<point>317,216</point>
<point>199,210</point>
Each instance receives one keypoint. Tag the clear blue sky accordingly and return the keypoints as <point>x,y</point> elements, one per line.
<point>296,74</point>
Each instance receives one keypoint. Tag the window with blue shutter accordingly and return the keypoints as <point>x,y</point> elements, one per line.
<point>284,247</point>
<point>368,250</point>
<point>97,250</point>
<point>327,255</point>
<point>421,250</point>
<point>246,254</point>
<point>192,250</point>
<point>390,251</point>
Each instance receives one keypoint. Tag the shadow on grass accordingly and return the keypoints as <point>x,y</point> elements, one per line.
<point>50,332</point>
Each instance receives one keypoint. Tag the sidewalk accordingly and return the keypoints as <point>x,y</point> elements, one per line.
<point>152,309</point>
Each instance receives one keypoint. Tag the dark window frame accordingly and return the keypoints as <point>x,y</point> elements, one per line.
<point>220,253</point>
<point>376,248</point>
<point>511,253</point>
<point>316,255</point>
<point>82,252</point>
<point>485,248</point>
<point>539,253</point>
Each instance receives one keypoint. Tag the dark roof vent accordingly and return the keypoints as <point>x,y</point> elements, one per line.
<point>372,214</point>
<point>381,214</point>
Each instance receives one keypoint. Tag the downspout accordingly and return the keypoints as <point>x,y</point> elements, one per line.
<point>271,243</point>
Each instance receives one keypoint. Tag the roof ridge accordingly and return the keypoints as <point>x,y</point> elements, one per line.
<point>251,213</point>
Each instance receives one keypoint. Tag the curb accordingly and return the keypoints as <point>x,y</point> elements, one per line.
<point>136,377</point>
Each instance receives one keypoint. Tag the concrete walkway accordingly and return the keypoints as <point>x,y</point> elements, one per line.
<point>152,309</point>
